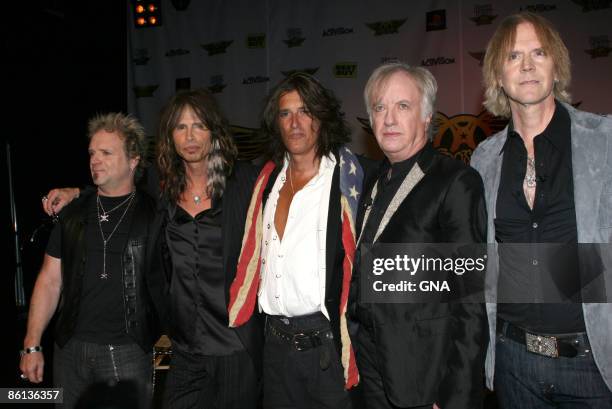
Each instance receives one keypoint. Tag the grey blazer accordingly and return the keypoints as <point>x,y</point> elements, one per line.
<point>592,172</point>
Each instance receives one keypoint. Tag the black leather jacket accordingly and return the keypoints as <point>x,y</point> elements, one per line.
<point>142,278</point>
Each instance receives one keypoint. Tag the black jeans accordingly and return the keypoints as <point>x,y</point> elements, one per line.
<point>297,379</point>
<point>80,366</point>
<point>527,380</point>
<point>219,382</point>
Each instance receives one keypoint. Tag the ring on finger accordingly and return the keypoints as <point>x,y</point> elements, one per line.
<point>45,198</point>
<point>22,376</point>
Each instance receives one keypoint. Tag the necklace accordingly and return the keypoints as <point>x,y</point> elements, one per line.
<point>104,216</point>
<point>291,181</point>
<point>105,240</point>
<point>197,199</point>
<point>530,174</point>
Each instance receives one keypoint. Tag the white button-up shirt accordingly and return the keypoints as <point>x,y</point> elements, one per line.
<point>293,270</point>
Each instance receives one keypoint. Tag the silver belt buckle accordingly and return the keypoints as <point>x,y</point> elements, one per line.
<point>542,345</point>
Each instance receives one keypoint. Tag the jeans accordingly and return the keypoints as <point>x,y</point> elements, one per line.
<point>524,380</point>
<point>80,367</point>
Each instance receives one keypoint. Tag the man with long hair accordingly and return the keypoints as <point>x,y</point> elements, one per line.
<point>545,179</point>
<point>205,192</point>
<point>298,248</point>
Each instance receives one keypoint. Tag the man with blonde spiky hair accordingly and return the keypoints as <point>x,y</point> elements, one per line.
<point>547,184</point>
<point>97,272</point>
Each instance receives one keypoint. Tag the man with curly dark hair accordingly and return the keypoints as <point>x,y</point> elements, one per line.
<point>298,248</point>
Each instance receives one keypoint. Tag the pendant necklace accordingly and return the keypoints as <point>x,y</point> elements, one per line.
<point>104,216</point>
<point>105,240</point>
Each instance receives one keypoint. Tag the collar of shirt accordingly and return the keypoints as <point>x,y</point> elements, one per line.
<point>556,132</point>
<point>398,169</point>
<point>294,270</point>
<point>326,164</point>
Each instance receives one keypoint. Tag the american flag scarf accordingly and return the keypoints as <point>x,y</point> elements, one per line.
<point>243,292</point>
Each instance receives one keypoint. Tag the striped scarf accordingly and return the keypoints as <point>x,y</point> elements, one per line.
<point>243,292</point>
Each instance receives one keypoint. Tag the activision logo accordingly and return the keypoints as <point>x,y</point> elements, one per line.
<point>255,80</point>
<point>437,61</point>
<point>590,5</point>
<point>539,8</point>
<point>330,32</point>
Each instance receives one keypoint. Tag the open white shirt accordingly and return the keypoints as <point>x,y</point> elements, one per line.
<point>293,270</point>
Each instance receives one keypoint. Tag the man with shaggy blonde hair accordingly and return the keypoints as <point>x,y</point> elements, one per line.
<point>547,183</point>
<point>99,274</point>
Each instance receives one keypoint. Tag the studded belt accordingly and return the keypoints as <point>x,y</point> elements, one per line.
<point>300,340</point>
<point>552,346</point>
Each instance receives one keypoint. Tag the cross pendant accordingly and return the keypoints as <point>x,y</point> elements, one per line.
<point>103,217</point>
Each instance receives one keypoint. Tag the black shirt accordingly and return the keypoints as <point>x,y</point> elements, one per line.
<point>535,269</point>
<point>101,317</point>
<point>197,290</point>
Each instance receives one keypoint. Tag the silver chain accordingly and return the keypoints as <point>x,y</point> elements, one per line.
<point>104,217</point>
<point>105,240</point>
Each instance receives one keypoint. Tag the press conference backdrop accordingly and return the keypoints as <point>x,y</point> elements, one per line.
<point>239,49</point>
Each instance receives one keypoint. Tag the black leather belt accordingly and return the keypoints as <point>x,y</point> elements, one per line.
<point>553,346</point>
<point>300,340</point>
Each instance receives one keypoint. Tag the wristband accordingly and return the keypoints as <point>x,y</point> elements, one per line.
<point>29,350</point>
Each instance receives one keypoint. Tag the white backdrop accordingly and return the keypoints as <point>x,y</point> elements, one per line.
<point>241,48</point>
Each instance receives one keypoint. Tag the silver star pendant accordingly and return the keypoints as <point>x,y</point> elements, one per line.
<point>103,217</point>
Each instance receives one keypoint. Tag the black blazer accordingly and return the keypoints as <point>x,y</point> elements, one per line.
<point>236,199</point>
<point>433,352</point>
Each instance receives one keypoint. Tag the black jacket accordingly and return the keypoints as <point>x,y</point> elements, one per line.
<point>141,282</point>
<point>432,352</point>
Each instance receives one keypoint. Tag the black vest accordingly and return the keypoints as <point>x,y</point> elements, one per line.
<point>140,281</point>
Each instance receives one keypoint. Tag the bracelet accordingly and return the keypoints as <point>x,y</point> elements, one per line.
<point>29,350</point>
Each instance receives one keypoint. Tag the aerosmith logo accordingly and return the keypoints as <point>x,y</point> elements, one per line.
<point>458,136</point>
